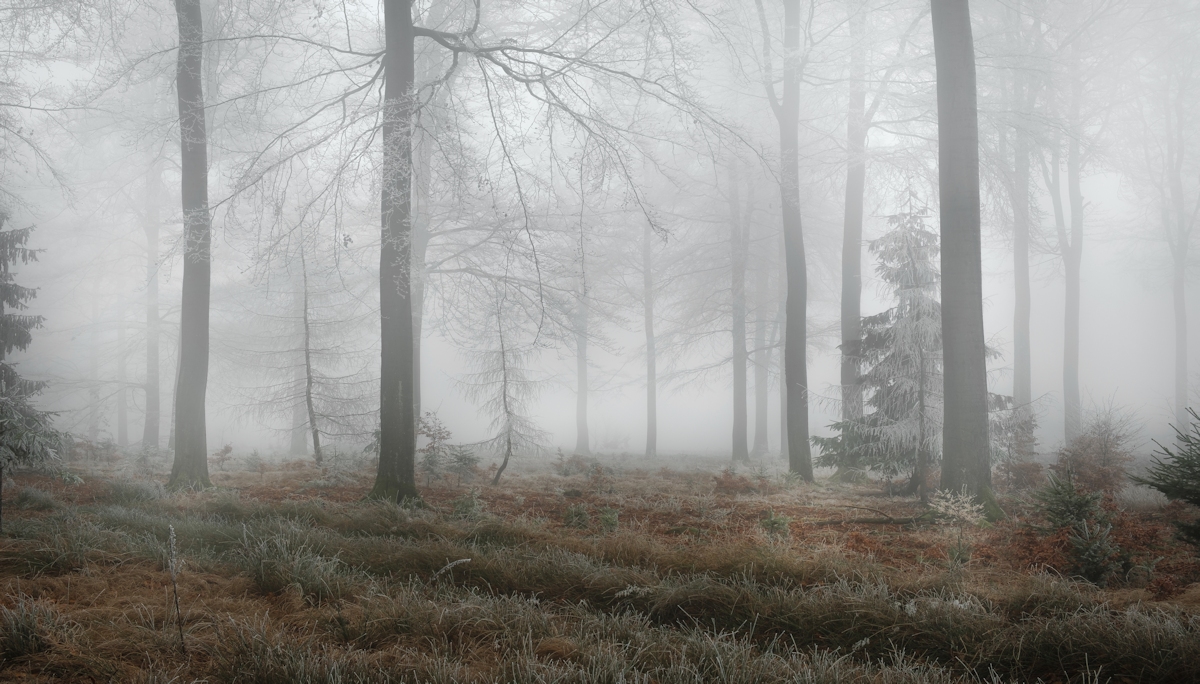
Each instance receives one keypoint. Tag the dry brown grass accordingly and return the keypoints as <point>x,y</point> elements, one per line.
<point>284,582</point>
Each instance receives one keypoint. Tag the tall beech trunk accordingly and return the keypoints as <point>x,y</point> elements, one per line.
<point>795,349</point>
<point>852,226</point>
<point>1179,297</point>
<point>965,457</point>
<point>648,324</point>
<point>191,448</point>
<point>122,393</point>
<point>738,311</point>
<point>1075,258</point>
<point>781,325</point>
<point>1022,105</point>
<point>299,436</point>
<point>1179,233</point>
<point>1022,357</point>
<point>308,369</point>
<point>93,425</point>
<point>762,358</point>
<point>582,441</point>
<point>395,478</point>
<point>151,426</point>
<point>1070,246</point>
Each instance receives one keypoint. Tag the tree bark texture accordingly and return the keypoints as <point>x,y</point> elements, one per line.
<point>191,448</point>
<point>582,441</point>
<point>852,227</point>
<point>762,357</point>
<point>395,478</point>
<point>93,426</point>
<point>648,324</point>
<point>299,436</point>
<point>1072,260</point>
<point>309,405</point>
<point>796,345</point>
<point>1179,238</point>
<point>151,426</point>
<point>965,457</point>
<point>1022,103</point>
<point>737,252</point>
<point>122,392</point>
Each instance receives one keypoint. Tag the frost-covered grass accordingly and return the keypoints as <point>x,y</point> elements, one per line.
<point>315,591</point>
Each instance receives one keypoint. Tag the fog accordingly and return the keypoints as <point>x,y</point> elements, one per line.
<point>543,181</point>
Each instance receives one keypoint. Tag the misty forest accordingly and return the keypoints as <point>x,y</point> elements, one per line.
<point>599,341</point>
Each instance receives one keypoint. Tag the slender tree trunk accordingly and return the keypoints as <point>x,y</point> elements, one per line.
<point>921,473</point>
<point>93,428</point>
<point>781,324</point>
<point>582,442</point>
<point>1022,105</point>
<point>122,397</point>
<point>965,458</point>
<point>299,434</point>
<point>308,371</point>
<point>1182,229</point>
<point>796,340</point>
<point>395,478</point>
<point>1179,296</point>
<point>1072,261</point>
<point>151,427</point>
<point>506,403</point>
<point>738,309</point>
<point>174,402</point>
<point>856,171</point>
<point>191,448</point>
<point>762,358</point>
<point>299,437</point>
<point>648,323</point>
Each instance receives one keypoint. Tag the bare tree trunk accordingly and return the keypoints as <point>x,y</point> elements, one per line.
<point>856,171</point>
<point>582,442</point>
<point>795,351</point>
<point>965,457</point>
<point>299,434</point>
<point>762,357</point>
<point>93,427</point>
<point>308,370</point>
<point>781,323</point>
<point>1179,296</point>
<point>299,437</point>
<point>395,478</point>
<point>1072,259</point>
<point>738,312</point>
<point>651,362</point>
<point>1022,105</point>
<point>122,396</point>
<point>506,404</point>
<point>191,448</point>
<point>151,427</point>
<point>425,69</point>
<point>1182,230</point>
<point>174,403</point>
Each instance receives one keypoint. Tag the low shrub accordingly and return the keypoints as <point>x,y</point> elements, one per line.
<point>1176,473</point>
<point>276,559</point>
<point>132,493</point>
<point>34,499</point>
<point>577,517</point>
<point>32,627</point>
<point>468,507</point>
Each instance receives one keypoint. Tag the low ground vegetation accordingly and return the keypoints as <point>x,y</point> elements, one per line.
<point>594,571</point>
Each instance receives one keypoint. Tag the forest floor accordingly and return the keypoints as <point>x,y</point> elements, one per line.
<point>574,571</point>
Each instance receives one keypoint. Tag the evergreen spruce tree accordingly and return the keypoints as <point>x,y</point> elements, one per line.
<point>1176,472</point>
<point>26,435</point>
<point>901,355</point>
